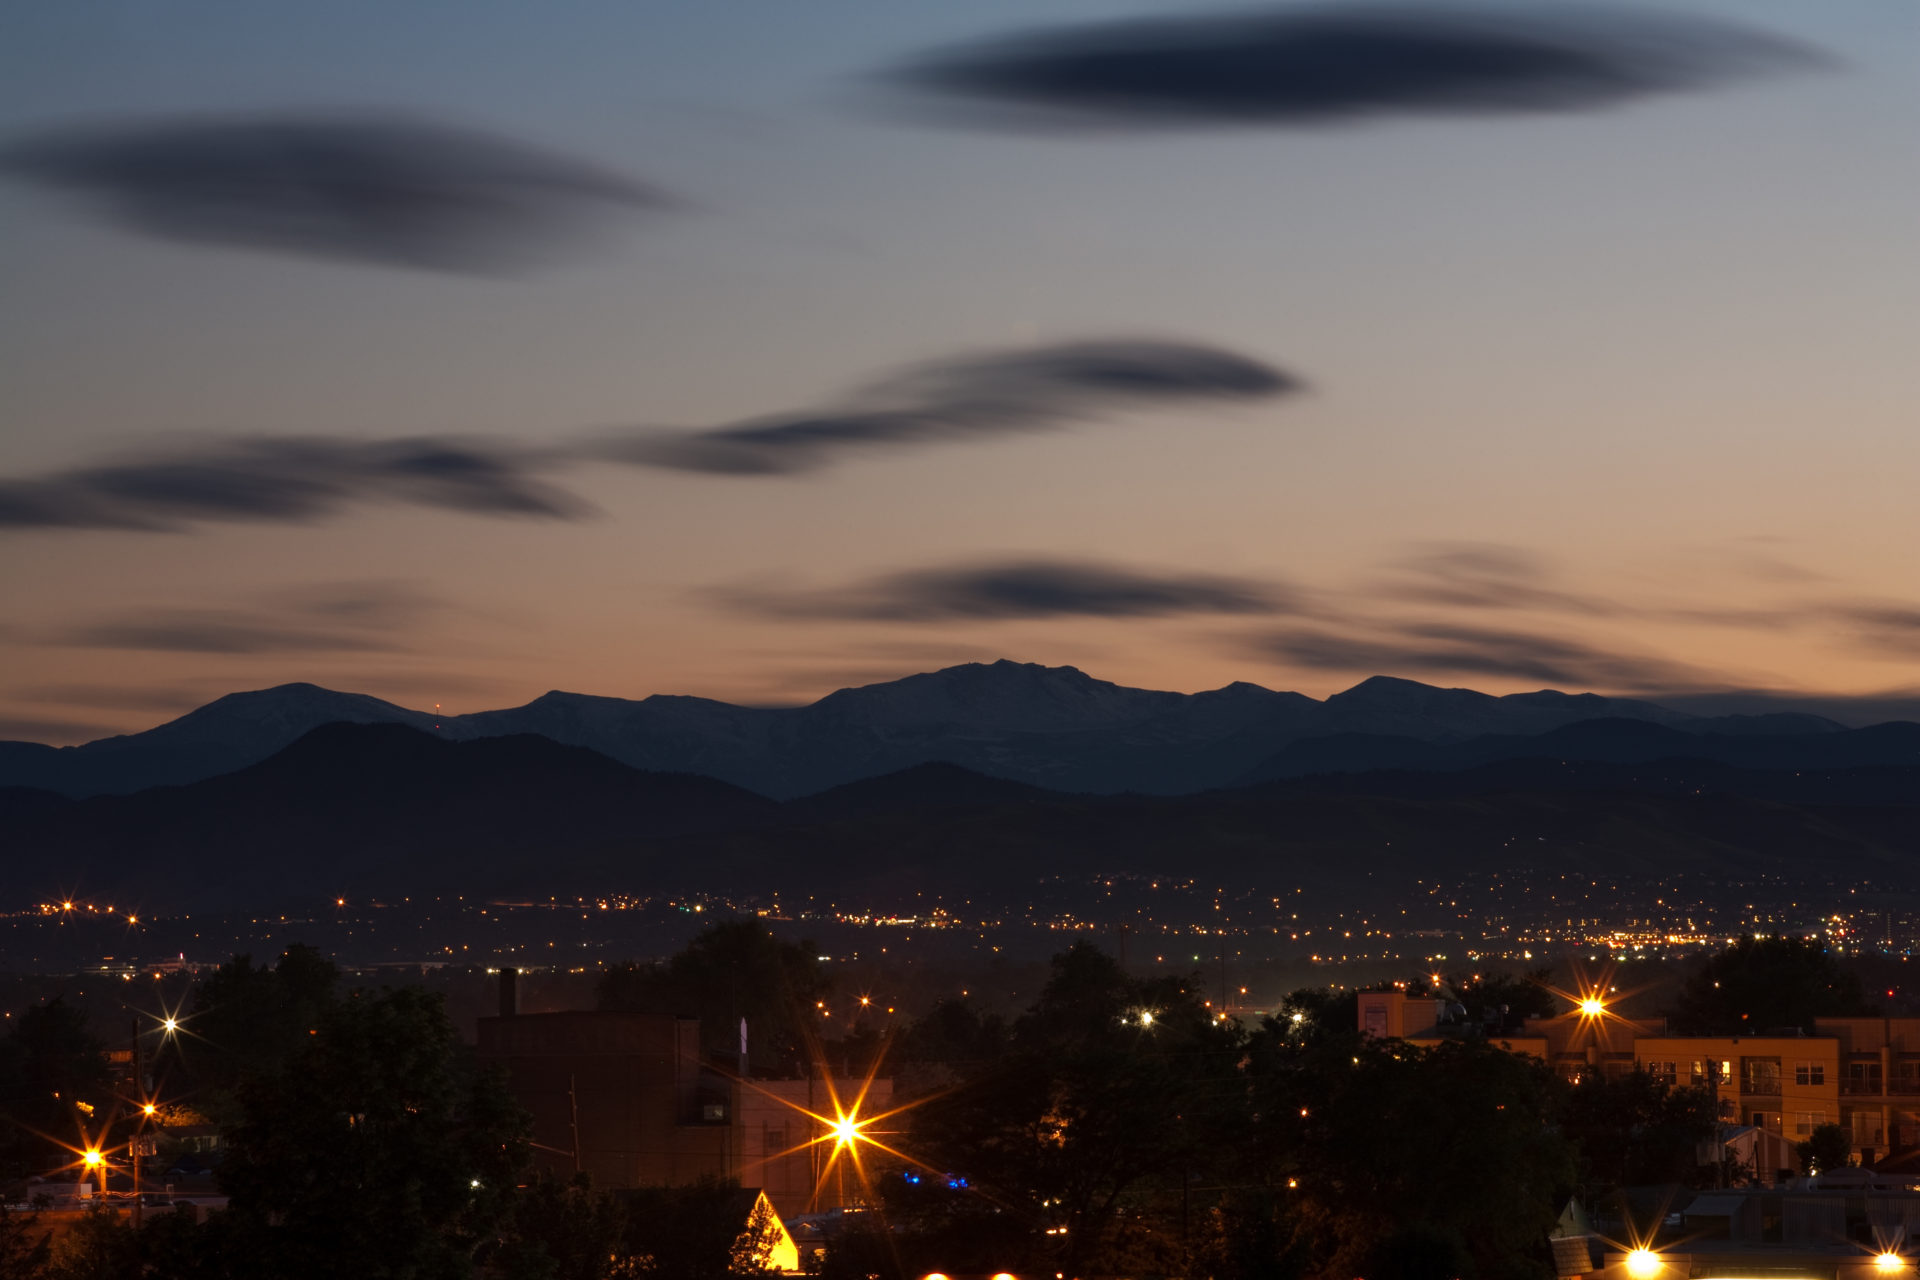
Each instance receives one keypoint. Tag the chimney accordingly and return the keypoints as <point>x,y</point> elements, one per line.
<point>509,992</point>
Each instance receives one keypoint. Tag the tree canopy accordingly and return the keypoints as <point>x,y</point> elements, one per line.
<point>1759,984</point>
<point>733,970</point>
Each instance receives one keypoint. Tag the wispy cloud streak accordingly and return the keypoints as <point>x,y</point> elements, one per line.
<point>284,479</point>
<point>964,399</point>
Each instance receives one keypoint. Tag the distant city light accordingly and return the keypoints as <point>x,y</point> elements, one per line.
<point>1593,1006</point>
<point>1888,1262</point>
<point>92,1158</point>
<point>1643,1263</point>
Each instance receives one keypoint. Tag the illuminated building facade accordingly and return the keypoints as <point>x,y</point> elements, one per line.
<point>1860,1073</point>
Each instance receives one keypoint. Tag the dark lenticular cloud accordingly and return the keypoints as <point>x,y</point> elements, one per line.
<point>961,399</point>
<point>1326,65</point>
<point>387,190</point>
<point>276,479</point>
<point>1021,589</point>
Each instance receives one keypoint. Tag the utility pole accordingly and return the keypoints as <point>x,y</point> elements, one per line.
<point>140,1126</point>
<point>573,1121</point>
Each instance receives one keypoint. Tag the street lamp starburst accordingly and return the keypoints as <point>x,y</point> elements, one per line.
<point>846,1129</point>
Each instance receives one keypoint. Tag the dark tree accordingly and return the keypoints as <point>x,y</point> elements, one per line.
<point>377,1151</point>
<point>1314,1015</point>
<point>1758,984</point>
<point>560,1231</point>
<point>97,1247</point>
<point>952,1040</point>
<point>1637,1129</point>
<point>249,1021</point>
<point>1409,1158</point>
<point>1114,1093</point>
<point>733,970</point>
<point>1499,997</point>
<point>701,1231</point>
<point>50,1064</point>
<point>1828,1147</point>
<point>25,1244</point>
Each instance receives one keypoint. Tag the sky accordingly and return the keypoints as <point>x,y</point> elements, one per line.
<point>457,352</point>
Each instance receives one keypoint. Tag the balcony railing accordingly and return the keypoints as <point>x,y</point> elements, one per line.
<point>1861,1088</point>
<point>1766,1086</point>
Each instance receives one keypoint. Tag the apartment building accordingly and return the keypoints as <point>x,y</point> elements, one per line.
<point>1861,1073</point>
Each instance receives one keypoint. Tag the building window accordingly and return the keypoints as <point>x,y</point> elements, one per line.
<point>1809,1073</point>
<point>1863,1077</point>
<point>1760,1075</point>
<point>1664,1071</point>
<point>1805,1122</point>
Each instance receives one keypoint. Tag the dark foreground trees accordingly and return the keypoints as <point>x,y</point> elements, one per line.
<point>1440,1162</point>
<point>1761,984</point>
<point>1126,1128</point>
<point>1112,1094</point>
<point>53,1071</point>
<point>1121,1127</point>
<point>383,1122</point>
<point>363,1141</point>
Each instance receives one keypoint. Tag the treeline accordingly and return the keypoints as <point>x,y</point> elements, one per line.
<point>360,1139</point>
<point>1119,1125</point>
